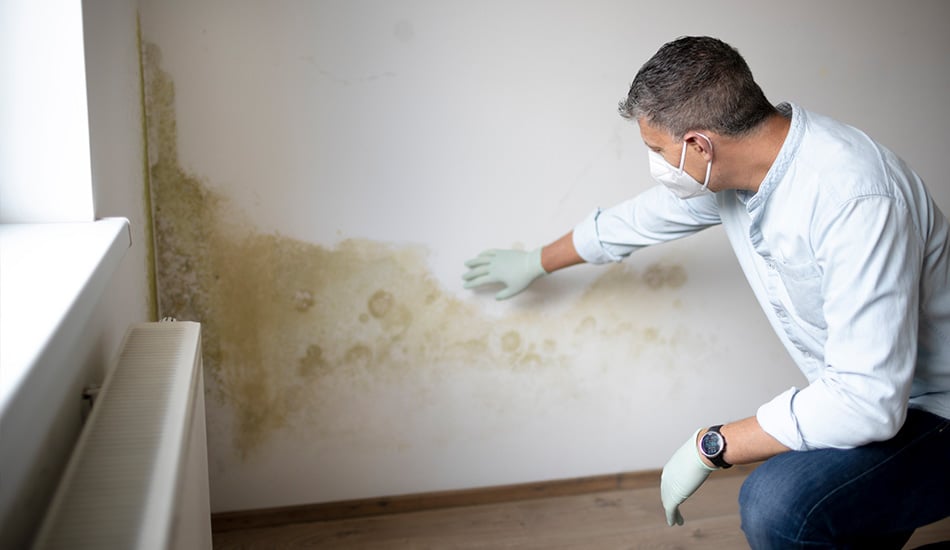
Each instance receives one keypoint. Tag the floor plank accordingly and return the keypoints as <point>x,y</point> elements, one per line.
<point>619,519</point>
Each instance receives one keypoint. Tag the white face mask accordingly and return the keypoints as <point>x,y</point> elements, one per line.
<point>676,179</point>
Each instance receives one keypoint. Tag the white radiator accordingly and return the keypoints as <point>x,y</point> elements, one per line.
<point>138,477</point>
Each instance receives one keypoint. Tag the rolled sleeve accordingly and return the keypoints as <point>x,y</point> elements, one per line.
<point>825,415</point>
<point>588,244</point>
<point>830,413</point>
<point>778,420</point>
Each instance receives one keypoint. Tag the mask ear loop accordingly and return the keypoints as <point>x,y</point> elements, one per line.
<point>683,159</point>
<point>708,170</point>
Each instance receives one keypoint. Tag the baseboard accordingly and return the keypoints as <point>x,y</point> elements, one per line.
<point>306,513</point>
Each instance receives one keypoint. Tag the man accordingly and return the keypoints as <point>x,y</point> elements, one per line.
<point>850,259</point>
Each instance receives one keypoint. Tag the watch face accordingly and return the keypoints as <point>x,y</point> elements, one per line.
<point>711,444</point>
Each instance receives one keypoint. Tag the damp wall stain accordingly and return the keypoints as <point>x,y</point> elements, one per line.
<point>294,331</point>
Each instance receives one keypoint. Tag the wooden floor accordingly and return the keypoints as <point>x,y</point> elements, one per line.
<point>621,519</point>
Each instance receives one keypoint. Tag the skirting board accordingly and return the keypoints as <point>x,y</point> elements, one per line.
<point>307,513</point>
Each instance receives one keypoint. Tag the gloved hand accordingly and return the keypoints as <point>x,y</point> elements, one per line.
<point>516,269</point>
<point>682,475</point>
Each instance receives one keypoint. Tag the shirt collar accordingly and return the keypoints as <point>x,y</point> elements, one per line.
<point>785,156</point>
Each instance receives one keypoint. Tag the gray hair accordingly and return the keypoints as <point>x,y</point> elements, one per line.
<point>695,83</point>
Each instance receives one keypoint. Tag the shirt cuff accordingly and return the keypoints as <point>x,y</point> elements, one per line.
<point>587,241</point>
<point>778,420</point>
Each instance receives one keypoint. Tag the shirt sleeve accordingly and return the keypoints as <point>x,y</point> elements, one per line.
<point>869,256</point>
<point>652,217</point>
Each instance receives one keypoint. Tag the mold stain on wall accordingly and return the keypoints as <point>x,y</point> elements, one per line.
<point>295,332</point>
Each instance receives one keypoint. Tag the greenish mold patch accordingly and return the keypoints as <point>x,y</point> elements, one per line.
<point>294,331</point>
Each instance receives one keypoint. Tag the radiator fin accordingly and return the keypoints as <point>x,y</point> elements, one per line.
<point>119,488</point>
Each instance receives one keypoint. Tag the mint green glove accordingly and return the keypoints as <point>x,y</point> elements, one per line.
<point>682,475</point>
<point>516,269</point>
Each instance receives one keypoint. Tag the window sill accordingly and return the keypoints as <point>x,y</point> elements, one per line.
<point>51,278</point>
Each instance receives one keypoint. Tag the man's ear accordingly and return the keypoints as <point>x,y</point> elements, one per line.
<point>700,143</point>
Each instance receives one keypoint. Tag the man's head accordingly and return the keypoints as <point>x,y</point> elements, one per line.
<point>697,83</point>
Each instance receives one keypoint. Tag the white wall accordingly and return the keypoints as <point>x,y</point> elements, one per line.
<point>341,160</point>
<point>117,150</point>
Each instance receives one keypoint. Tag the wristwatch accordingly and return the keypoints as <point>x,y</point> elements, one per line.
<point>713,445</point>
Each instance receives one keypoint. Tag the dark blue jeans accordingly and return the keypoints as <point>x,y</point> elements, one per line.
<point>868,497</point>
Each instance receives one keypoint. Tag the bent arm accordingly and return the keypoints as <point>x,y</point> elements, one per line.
<point>652,217</point>
<point>747,442</point>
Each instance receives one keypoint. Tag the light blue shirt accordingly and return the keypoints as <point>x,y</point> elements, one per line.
<point>849,257</point>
